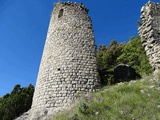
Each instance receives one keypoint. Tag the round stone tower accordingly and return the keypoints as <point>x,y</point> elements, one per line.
<point>68,64</point>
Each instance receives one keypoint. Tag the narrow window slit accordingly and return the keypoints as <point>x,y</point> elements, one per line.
<point>60,13</point>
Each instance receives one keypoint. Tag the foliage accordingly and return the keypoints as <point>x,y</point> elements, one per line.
<point>124,101</point>
<point>107,55</point>
<point>16,103</point>
<point>106,60</point>
<point>134,54</point>
<point>131,53</point>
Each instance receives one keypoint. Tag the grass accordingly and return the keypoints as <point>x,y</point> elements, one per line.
<point>135,100</point>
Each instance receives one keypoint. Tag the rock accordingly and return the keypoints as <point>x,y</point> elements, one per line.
<point>38,114</point>
<point>96,113</point>
<point>105,90</point>
<point>142,91</point>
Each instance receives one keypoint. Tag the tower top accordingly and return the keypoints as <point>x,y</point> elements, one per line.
<point>73,4</point>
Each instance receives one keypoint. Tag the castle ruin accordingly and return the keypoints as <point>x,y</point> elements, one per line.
<point>68,64</point>
<point>149,32</point>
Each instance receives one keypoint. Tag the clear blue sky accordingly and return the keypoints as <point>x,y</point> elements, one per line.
<point>23,29</point>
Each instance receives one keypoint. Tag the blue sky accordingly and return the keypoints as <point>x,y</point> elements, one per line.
<point>24,25</point>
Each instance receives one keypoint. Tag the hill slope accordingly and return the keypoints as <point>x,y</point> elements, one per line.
<point>135,100</point>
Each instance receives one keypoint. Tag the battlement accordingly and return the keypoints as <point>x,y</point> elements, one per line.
<point>79,6</point>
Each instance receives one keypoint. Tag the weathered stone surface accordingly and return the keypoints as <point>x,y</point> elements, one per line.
<point>124,72</point>
<point>24,116</point>
<point>149,32</point>
<point>68,64</point>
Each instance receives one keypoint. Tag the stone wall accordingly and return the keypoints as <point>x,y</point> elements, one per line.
<point>149,32</point>
<point>68,64</point>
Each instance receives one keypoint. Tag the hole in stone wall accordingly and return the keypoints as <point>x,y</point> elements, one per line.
<point>60,13</point>
<point>58,69</point>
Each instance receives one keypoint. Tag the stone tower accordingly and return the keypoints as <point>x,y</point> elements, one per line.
<point>68,64</point>
<point>149,32</point>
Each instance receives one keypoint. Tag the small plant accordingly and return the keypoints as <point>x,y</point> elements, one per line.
<point>139,22</point>
<point>75,117</point>
<point>158,75</point>
<point>110,79</point>
<point>83,108</point>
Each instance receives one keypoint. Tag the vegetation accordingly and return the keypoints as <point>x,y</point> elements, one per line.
<point>129,100</point>
<point>107,60</point>
<point>16,103</point>
<point>135,100</point>
<point>131,53</point>
<point>134,54</point>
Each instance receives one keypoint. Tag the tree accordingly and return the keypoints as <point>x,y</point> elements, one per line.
<point>131,53</point>
<point>107,59</point>
<point>16,103</point>
<point>134,55</point>
<point>16,89</point>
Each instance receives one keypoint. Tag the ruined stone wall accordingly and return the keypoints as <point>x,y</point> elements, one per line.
<point>149,32</point>
<point>68,64</point>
